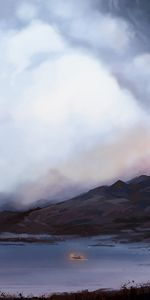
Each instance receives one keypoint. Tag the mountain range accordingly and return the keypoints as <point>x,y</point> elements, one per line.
<point>120,207</point>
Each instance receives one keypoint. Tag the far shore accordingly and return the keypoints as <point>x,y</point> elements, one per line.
<point>135,235</point>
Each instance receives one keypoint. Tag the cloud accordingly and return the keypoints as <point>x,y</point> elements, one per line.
<point>27,11</point>
<point>69,118</point>
<point>37,38</point>
<point>99,164</point>
<point>136,75</point>
<point>123,157</point>
<point>68,9</point>
<point>82,23</point>
<point>102,32</point>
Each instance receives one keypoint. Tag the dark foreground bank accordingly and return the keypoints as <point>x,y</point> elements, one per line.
<point>132,293</point>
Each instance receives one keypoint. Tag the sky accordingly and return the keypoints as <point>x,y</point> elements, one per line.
<point>74,96</point>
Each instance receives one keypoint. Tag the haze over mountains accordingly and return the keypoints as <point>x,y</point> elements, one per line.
<point>106,209</point>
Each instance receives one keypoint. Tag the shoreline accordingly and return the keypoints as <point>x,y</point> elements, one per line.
<point>105,239</point>
<point>140,292</point>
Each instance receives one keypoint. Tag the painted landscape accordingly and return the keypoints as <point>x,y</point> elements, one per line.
<point>75,149</point>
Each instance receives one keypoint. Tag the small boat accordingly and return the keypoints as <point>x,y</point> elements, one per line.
<point>74,256</point>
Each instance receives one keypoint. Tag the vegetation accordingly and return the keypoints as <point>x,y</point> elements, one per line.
<point>132,293</point>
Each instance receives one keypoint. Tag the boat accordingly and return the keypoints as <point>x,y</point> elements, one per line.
<point>74,256</point>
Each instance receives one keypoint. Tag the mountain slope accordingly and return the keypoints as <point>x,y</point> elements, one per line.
<point>106,209</point>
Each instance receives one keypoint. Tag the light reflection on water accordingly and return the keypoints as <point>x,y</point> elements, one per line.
<point>45,268</point>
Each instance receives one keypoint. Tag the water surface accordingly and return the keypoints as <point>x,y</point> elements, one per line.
<point>46,268</point>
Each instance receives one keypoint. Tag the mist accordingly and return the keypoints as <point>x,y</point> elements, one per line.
<point>74,97</point>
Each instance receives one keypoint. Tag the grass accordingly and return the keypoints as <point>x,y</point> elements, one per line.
<point>132,293</point>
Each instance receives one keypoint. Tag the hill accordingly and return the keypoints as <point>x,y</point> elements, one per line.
<point>121,207</point>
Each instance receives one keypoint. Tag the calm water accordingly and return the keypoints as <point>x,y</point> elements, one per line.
<point>43,268</point>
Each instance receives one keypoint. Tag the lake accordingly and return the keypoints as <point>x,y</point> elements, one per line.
<point>46,268</point>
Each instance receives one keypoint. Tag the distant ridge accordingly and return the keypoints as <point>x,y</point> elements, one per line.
<point>106,209</point>
<point>139,179</point>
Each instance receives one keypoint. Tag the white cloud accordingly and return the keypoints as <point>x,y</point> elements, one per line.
<point>55,109</point>
<point>61,107</point>
<point>27,11</point>
<point>23,45</point>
